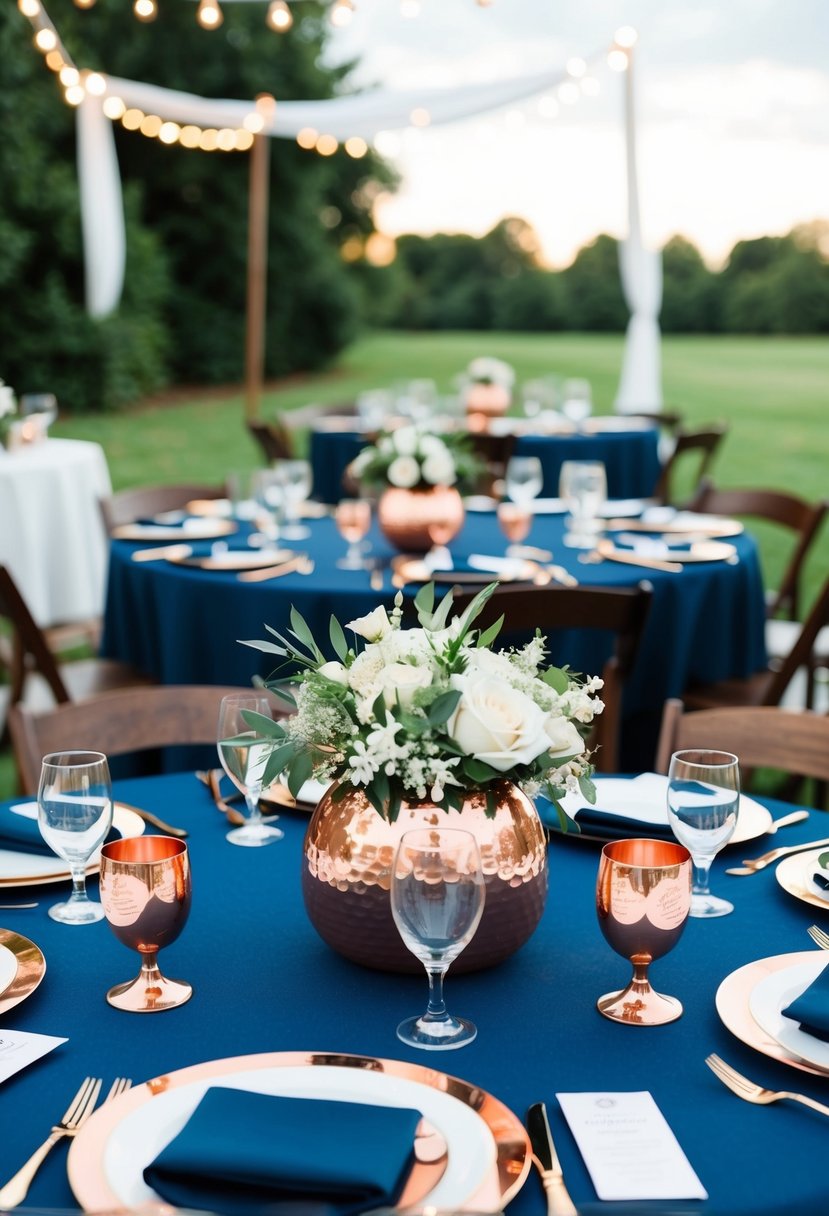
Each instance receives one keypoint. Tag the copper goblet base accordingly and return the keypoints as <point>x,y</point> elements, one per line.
<point>639,1005</point>
<point>149,992</point>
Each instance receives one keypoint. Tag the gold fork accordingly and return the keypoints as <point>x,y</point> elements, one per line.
<point>749,1091</point>
<point>79,1109</point>
<point>819,937</point>
<point>752,864</point>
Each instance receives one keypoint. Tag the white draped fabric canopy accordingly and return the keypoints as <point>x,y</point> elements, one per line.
<point>365,115</point>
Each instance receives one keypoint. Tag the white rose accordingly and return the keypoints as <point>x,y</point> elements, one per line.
<point>439,469</point>
<point>405,440</point>
<point>430,445</point>
<point>404,471</point>
<point>401,681</point>
<point>334,671</point>
<point>497,723</point>
<point>373,626</point>
<point>562,737</point>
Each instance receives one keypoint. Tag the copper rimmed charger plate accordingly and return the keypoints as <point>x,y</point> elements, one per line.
<point>35,869</point>
<point>413,570</point>
<point>104,1169</point>
<point>29,968</point>
<point>793,875</point>
<point>733,1005</point>
<point>712,527</point>
<point>235,559</point>
<point>699,551</point>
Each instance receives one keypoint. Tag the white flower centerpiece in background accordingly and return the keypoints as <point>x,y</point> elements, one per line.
<point>486,387</point>
<point>428,713</point>
<point>8,410</point>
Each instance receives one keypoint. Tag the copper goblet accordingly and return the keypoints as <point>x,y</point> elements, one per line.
<point>643,897</point>
<point>145,890</point>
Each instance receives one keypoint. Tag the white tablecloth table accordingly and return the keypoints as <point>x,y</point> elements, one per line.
<point>52,538</point>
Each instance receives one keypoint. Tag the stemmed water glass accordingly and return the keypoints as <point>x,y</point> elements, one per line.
<point>583,486</point>
<point>643,894</point>
<point>515,522</point>
<point>437,899</point>
<point>703,804</point>
<point>244,751</point>
<point>296,486</point>
<point>353,519</point>
<point>74,810</point>
<point>524,479</point>
<point>145,892</point>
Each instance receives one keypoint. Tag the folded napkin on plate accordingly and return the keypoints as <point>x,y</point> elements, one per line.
<point>243,1153</point>
<point>811,1008</point>
<point>21,834</point>
<point>624,808</point>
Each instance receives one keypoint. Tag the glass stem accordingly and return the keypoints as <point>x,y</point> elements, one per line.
<point>702,867</point>
<point>254,814</point>
<point>78,871</point>
<point>437,1006</point>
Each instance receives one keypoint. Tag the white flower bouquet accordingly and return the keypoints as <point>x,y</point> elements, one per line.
<point>429,712</point>
<point>486,370</point>
<point>413,458</point>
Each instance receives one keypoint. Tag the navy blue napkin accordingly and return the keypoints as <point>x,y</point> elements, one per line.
<point>21,834</point>
<point>811,1008</point>
<point>249,1154</point>
<point>595,822</point>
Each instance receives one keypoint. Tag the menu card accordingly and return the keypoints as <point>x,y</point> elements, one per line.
<point>18,1048</point>
<point>628,1147</point>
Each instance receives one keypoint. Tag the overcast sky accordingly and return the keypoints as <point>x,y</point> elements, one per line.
<point>732,108</point>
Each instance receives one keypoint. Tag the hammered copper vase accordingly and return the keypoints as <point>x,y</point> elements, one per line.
<point>347,865</point>
<point>414,520</point>
<point>490,400</point>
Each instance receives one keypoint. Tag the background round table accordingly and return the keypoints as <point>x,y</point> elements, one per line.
<point>630,456</point>
<point>52,537</point>
<point>183,624</point>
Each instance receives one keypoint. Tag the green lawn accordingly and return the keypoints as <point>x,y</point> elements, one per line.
<point>774,393</point>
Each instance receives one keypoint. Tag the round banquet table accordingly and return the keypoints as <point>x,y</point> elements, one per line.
<point>263,981</point>
<point>183,625</point>
<point>52,538</point>
<point>630,457</point>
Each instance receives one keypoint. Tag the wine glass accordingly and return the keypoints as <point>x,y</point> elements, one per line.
<point>353,519</point>
<point>440,531</point>
<point>244,752</point>
<point>74,811</point>
<point>515,522</point>
<point>296,486</point>
<point>269,493</point>
<point>583,486</point>
<point>145,891</point>
<point>524,479</point>
<point>703,804</point>
<point>578,402</point>
<point>437,898</point>
<point>643,894</point>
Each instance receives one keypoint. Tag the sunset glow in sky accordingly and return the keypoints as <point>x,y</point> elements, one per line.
<point>732,111</point>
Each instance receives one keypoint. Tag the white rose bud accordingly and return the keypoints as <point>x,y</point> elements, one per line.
<point>563,738</point>
<point>334,671</point>
<point>439,469</point>
<point>404,472</point>
<point>401,681</point>
<point>405,440</point>
<point>374,626</point>
<point>496,723</point>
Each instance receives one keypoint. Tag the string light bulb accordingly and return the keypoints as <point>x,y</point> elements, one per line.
<point>84,3</point>
<point>145,10</point>
<point>209,15</point>
<point>280,17</point>
<point>341,12</point>
<point>29,8</point>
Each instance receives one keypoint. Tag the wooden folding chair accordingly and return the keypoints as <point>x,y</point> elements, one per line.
<point>273,438</point>
<point>700,445</point>
<point>619,610</point>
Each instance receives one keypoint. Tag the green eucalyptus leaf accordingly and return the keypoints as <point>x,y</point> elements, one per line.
<point>558,680</point>
<point>442,708</point>
<point>299,771</point>
<point>338,639</point>
<point>265,647</point>
<point>489,635</point>
<point>263,725</point>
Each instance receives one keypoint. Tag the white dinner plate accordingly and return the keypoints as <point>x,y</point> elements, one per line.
<point>774,993</point>
<point>810,869</point>
<point>32,869</point>
<point>613,508</point>
<point>198,528</point>
<point>110,1152</point>
<point>644,799</point>
<point>794,874</point>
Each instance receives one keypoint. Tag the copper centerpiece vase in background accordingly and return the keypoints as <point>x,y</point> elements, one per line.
<point>347,865</point>
<point>412,519</point>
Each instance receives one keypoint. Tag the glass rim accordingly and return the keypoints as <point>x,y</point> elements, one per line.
<point>685,754</point>
<point>64,759</point>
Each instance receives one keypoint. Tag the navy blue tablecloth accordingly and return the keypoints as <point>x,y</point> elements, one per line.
<point>264,981</point>
<point>630,459</point>
<point>182,625</point>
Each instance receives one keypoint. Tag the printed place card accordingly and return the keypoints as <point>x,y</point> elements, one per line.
<point>18,1048</point>
<point>628,1147</point>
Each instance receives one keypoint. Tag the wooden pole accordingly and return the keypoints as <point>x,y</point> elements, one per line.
<point>257,274</point>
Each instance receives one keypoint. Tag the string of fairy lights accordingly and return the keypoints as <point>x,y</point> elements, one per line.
<point>77,83</point>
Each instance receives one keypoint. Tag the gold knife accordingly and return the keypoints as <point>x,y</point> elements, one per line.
<point>546,1160</point>
<point>607,550</point>
<point>300,563</point>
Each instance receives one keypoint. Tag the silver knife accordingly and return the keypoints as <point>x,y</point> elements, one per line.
<point>546,1159</point>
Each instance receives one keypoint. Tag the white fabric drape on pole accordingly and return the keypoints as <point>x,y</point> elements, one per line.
<point>640,386</point>
<point>102,209</point>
